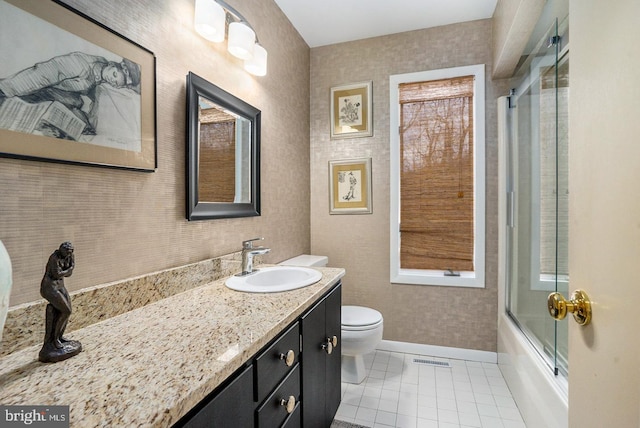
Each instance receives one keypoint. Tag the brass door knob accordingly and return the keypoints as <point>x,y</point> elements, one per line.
<point>579,305</point>
<point>289,358</point>
<point>289,403</point>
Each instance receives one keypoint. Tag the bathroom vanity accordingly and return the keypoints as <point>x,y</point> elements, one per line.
<point>202,355</point>
<point>292,382</point>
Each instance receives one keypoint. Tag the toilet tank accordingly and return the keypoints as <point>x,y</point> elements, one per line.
<point>306,260</point>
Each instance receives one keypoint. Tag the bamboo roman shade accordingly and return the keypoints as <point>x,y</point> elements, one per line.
<point>217,156</point>
<point>437,175</point>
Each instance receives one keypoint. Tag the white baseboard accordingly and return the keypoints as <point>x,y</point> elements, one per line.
<point>439,351</point>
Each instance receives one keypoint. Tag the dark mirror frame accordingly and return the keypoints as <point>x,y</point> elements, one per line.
<point>204,210</point>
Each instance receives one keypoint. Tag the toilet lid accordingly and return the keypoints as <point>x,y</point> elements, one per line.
<point>359,316</point>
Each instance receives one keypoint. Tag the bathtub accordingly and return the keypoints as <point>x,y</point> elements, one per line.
<point>542,397</point>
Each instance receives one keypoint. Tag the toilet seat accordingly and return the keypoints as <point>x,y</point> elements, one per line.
<point>359,318</point>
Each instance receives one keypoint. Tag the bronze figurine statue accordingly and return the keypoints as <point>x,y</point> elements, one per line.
<point>60,265</point>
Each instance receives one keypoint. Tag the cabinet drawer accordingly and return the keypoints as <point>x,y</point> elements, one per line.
<point>293,421</point>
<point>273,413</point>
<point>271,366</point>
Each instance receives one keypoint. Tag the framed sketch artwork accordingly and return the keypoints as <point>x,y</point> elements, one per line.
<point>72,90</point>
<point>350,186</point>
<point>351,111</point>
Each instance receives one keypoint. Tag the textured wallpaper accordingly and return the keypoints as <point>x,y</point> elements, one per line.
<point>443,316</point>
<point>126,223</point>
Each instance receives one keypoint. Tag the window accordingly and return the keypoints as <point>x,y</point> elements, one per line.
<point>546,96</point>
<point>437,177</point>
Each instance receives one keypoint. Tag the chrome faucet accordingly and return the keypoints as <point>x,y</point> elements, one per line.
<point>248,252</point>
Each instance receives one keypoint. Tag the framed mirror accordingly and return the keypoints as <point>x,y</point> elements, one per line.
<point>223,153</point>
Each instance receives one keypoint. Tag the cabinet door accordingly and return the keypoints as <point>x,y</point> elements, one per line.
<point>232,407</point>
<point>332,377</point>
<point>321,369</point>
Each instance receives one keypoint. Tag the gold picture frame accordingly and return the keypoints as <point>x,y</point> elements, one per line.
<point>350,186</point>
<point>73,90</point>
<point>351,110</point>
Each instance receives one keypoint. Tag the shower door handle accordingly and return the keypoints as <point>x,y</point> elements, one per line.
<point>579,305</point>
<point>511,208</point>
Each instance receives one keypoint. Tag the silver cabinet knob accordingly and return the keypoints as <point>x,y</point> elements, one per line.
<point>328,345</point>
<point>289,358</point>
<point>289,403</point>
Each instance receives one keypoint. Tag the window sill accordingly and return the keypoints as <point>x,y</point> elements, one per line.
<point>427,277</point>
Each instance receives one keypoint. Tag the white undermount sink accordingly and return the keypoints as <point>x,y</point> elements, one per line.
<point>274,279</point>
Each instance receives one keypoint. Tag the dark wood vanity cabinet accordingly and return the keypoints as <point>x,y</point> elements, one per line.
<point>321,361</point>
<point>276,361</point>
<point>231,407</point>
<point>293,382</point>
<point>277,379</point>
<point>273,412</point>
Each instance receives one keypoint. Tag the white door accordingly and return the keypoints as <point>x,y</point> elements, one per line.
<point>604,209</point>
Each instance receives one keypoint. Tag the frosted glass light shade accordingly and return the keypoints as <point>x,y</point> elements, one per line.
<point>241,40</point>
<point>210,20</point>
<point>257,65</point>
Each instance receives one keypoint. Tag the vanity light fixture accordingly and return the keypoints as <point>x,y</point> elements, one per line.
<point>242,42</point>
<point>210,20</point>
<point>257,65</point>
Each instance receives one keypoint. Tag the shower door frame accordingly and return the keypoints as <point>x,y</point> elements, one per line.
<point>541,395</point>
<point>546,347</point>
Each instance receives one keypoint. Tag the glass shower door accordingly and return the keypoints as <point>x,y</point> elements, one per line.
<point>538,196</point>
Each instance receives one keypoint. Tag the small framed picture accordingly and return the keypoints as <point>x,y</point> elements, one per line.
<point>351,111</point>
<point>350,186</point>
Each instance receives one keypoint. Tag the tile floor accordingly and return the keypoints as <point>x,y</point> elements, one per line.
<point>398,392</point>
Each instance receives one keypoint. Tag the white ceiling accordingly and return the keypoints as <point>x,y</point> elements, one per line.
<point>326,22</point>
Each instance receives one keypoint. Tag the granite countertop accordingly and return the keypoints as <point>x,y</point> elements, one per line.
<point>150,366</point>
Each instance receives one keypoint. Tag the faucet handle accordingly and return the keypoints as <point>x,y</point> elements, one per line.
<point>248,244</point>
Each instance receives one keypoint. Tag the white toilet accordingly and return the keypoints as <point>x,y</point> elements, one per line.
<point>361,333</point>
<point>361,328</point>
